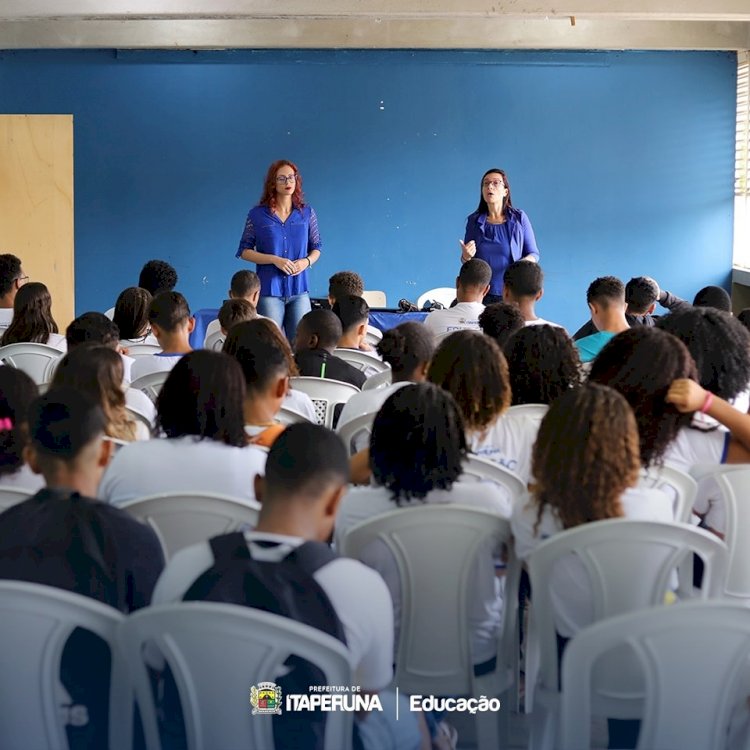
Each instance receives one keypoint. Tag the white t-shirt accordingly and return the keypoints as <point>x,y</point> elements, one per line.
<point>6,318</point>
<point>571,590</point>
<point>508,442</point>
<point>366,402</point>
<point>23,479</point>
<point>358,595</point>
<point>363,503</point>
<point>58,341</point>
<point>153,363</point>
<point>301,403</point>
<point>542,322</point>
<point>181,464</point>
<point>464,316</point>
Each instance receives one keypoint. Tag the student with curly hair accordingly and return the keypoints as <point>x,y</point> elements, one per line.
<point>500,321</point>
<point>344,283</point>
<point>131,317</point>
<point>543,364</point>
<point>32,318</point>
<point>472,368</point>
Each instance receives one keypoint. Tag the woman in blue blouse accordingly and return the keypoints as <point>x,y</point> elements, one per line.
<point>281,237</point>
<point>497,232</point>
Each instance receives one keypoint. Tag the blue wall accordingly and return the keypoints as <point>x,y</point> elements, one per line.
<point>623,161</point>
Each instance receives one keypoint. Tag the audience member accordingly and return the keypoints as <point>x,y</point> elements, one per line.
<point>245,285</point>
<point>500,321</point>
<point>12,278</point>
<point>606,301</point>
<point>354,314</point>
<point>744,317</point>
<point>713,296</point>
<point>157,276</point>
<point>523,286</point>
<point>199,411</point>
<point>131,317</point>
<point>232,312</point>
<point>32,318</point>
<point>344,283</point>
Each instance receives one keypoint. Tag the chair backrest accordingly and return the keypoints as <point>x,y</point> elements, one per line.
<point>361,425</point>
<point>443,294</point>
<point>181,519</point>
<point>690,657</point>
<point>433,543</point>
<point>484,470</point>
<point>38,361</point>
<point>289,416</point>
<point>35,622</point>
<point>536,411</point>
<point>325,394</point>
<point>217,652</point>
<point>374,298</point>
<point>214,341</point>
<point>151,383</point>
<point>378,380</point>
<point>675,482</point>
<point>139,416</point>
<point>629,566</point>
<point>142,350</point>
<point>373,335</point>
<point>12,496</point>
<point>361,360</point>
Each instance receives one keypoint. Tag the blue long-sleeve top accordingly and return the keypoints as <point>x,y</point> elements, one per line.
<point>294,239</point>
<point>501,244</point>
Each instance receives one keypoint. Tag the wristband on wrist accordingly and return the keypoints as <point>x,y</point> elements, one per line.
<point>707,403</point>
<point>309,262</point>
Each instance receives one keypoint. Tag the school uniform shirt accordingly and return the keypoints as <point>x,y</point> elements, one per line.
<point>590,346</point>
<point>363,503</point>
<point>318,363</point>
<point>58,341</point>
<point>23,479</point>
<point>301,403</point>
<point>184,464</point>
<point>6,318</point>
<point>570,587</point>
<point>358,595</point>
<point>542,322</point>
<point>461,317</point>
<point>160,362</point>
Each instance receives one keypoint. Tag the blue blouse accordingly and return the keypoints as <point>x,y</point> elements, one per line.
<point>294,239</point>
<point>501,244</point>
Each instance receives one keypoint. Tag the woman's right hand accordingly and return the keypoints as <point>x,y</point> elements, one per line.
<point>468,250</point>
<point>285,265</point>
<point>686,395</point>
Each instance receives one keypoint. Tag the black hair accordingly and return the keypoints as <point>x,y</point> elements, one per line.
<point>605,289</point>
<point>543,363</point>
<point>92,328</point>
<point>17,391</point>
<point>418,442</point>
<point>500,321</point>
<point>234,311</point>
<point>719,344</point>
<point>523,278</point>
<point>406,346</point>
<point>131,312</point>
<point>345,282</point>
<point>203,396</point>
<point>258,352</point>
<point>158,276</point>
<point>640,293</point>
<point>744,317</point>
<point>168,310</point>
<point>713,296</point>
<point>475,274</point>
<point>322,323</point>
<point>32,316</point>
<point>244,283</point>
<point>351,311</point>
<point>10,270</point>
<point>305,460</point>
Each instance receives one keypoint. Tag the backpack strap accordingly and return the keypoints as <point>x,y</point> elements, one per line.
<point>312,556</point>
<point>228,547</point>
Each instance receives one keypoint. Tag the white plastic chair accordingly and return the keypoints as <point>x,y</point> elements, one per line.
<point>35,622</point>
<point>151,383</point>
<point>182,518</point>
<point>443,294</point>
<point>378,380</point>
<point>436,550</point>
<point>361,360</point>
<point>12,496</point>
<point>683,487</point>
<point>689,657</point>
<point>629,566</point>
<point>214,341</point>
<point>139,416</point>
<point>217,652</point>
<point>38,361</point>
<point>290,416</point>
<point>142,350</point>
<point>535,411</point>
<point>373,336</point>
<point>325,394</point>
<point>482,469</point>
<point>361,424</point>
<point>374,298</point>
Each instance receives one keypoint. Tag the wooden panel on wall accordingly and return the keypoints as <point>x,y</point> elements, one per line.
<point>36,202</point>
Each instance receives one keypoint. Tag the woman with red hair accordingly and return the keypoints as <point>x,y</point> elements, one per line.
<point>281,236</point>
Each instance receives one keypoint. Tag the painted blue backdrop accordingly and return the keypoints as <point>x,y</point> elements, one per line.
<point>623,160</point>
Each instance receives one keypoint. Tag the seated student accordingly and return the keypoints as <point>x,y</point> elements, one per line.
<point>354,314</point>
<point>343,284</point>
<point>156,276</point>
<point>500,321</point>
<point>713,296</point>
<point>199,411</point>
<point>17,391</point>
<point>523,286</point>
<point>172,324</point>
<point>131,317</point>
<point>245,285</point>
<point>744,317</point>
<point>97,371</point>
<point>305,478</point>
<point>12,278</point>
<point>543,363</point>
<point>32,318</point>
<point>97,328</point>
<point>606,300</point>
<point>232,312</point>
<point>318,334</point>
<point>65,538</point>
<point>472,283</point>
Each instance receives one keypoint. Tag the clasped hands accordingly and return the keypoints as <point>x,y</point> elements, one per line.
<point>291,267</point>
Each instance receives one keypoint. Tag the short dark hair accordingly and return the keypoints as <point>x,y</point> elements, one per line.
<point>324,324</point>
<point>244,283</point>
<point>234,311</point>
<point>406,346</point>
<point>158,276</point>
<point>204,396</point>
<point>131,312</point>
<point>63,422</point>
<point>258,352</point>
<point>17,391</point>
<point>640,293</point>
<point>168,310</point>
<point>92,328</point>
<point>713,296</point>
<point>10,270</point>
<point>305,460</point>
<point>604,290</point>
<point>351,311</point>
<point>744,317</point>
<point>418,442</point>
<point>345,282</point>
<point>475,274</point>
<point>501,320</point>
<point>524,278</point>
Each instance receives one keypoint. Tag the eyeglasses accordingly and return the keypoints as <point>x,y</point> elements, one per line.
<point>493,183</point>
<point>285,179</point>
<point>22,278</point>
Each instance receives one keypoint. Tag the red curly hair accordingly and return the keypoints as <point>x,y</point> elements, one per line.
<point>269,186</point>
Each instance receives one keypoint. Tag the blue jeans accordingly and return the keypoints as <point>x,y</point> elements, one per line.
<point>286,311</point>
